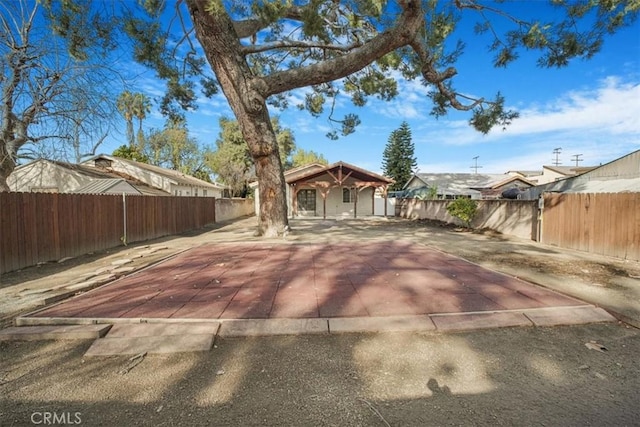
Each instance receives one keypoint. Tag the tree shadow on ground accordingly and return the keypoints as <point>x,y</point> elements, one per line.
<point>515,376</point>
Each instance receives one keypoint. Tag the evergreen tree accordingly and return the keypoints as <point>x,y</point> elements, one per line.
<point>398,160</point>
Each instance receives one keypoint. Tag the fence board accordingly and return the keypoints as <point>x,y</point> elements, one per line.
<point>41,227</point>
<point>602,223</point>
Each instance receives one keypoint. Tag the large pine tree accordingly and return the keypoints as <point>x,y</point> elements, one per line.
<point>398,159</point>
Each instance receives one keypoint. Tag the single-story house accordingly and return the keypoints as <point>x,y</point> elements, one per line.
<point>459,185</point>
<point>618,176</point>
<point>49,176</point>
<point>170,181</point>
<point>336,190</point>
<point>108,175</point>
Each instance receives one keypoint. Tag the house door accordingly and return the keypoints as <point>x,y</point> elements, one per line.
<point>307,202</point>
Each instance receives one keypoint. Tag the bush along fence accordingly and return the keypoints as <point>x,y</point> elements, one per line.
<point>513,217</point>
<point>40,227</point>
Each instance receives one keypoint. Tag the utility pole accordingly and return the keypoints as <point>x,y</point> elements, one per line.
<point>475,166</point>
<point>576,158</point>
<point>557,152</point>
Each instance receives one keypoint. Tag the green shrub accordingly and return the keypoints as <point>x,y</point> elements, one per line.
<point>463,209</point>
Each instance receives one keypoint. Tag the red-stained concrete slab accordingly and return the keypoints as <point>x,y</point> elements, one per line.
<point>201,310</point>
<point>340,280</point>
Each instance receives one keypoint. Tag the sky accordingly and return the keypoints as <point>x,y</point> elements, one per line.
<point>590,108</point>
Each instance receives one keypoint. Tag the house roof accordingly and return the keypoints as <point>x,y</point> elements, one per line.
<point>100,186</point>
<point>177,177</point>
<point>618,176</point>
<point>465,183</point>
<point>102,177</point>
<point>83,169</point>
<point>295,172</point>
<point>631,185</point>
<point>341,169</point>
<point>570,170</point>
<point>526,173</point>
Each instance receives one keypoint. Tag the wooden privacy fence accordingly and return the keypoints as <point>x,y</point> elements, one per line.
<point>602,223</point>
<point>40,227</point>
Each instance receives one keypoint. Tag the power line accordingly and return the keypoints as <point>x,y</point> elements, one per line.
<point>576,158</point>
<point>475,167</point>
<point>557,152</point>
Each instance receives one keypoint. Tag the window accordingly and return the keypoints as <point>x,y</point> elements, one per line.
<point>204,193</point>
<point>195,192</point>
<point>348,195</point>
<point>307,200</point>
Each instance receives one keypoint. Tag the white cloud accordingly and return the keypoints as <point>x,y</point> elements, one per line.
<point>409,104</point>
<point>611,109</point>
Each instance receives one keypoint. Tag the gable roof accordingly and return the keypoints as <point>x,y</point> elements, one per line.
<point>103,178</point>
<point>570,170</point>
<point>102,186</point>
<point>617,176</point>
<point>176,177</point>
<point>341,168</point>
<point>80,168</point>
<point>457,183</point>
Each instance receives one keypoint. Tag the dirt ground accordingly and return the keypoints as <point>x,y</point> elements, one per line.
<point>512,376</point>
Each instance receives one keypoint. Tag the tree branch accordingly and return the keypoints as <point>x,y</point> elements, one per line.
<point>410,22</point>
<point>288,44</point>
<point>437,78</point>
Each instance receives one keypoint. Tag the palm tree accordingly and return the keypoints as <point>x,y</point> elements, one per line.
<point>141,107</point>
<point>133,105</point>
<point>125,104</point>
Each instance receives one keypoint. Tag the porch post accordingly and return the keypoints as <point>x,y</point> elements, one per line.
<point>294,201</point>
<point>324,204</point>
<point>373,201</point>
<point>386,199</point>
<point>355,202</point>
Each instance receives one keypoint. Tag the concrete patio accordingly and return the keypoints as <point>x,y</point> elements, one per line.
<point>347,287</point>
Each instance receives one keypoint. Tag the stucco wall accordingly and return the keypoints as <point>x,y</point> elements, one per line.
<point>227,209</point>
<point>337,208</point>
<point>513,217</point>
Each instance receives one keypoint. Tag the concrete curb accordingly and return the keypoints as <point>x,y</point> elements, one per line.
<point>441,322</point>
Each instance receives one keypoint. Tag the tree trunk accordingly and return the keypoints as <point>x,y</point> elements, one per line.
<point>7,165</point>
<point>272,218</point>
<point>219,40</point>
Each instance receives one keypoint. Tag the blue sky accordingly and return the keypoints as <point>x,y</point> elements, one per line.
<point>590,108</point>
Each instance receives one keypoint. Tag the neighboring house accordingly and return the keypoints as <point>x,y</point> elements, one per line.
<point>551,173</point>
<point>170,181</point>
<point>531,176</point>
<point>618,176</point>
<point>459,185</point>
<point>337,190</point>
<point>47,176</point>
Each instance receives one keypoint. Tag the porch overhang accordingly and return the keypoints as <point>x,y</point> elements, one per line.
<point>338,175</point>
